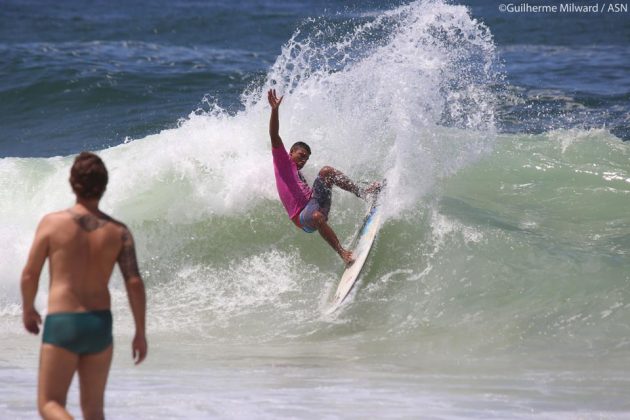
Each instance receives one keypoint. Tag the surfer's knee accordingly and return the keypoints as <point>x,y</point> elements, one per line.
<point>327,172</point>
<point>318,218</point>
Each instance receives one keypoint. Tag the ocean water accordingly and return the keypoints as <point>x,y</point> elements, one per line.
<point>498,286</point>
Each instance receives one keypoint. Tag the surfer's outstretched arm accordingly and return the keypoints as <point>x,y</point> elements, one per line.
<point>274,123</point>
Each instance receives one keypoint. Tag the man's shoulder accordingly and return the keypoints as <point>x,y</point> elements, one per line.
<point>114,223</point>
<point>55,217</point>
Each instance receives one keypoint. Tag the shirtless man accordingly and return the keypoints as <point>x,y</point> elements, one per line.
<point>82,245</point>
<point>307,207</point>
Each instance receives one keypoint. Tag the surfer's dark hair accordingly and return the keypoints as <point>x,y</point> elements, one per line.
<point>88,176</point>
<point>302,145</point>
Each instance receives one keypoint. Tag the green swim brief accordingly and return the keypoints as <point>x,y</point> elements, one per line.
<point>79,332</point>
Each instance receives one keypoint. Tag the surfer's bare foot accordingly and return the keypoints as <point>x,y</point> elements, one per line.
<point>347,257</point>
<point>373,188</point>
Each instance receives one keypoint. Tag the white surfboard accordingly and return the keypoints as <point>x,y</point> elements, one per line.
<point>363,244</point>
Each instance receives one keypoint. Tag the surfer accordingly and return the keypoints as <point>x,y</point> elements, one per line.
<point>308,207</point>
<point>82,244</point>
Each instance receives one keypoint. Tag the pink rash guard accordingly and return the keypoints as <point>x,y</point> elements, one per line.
<point>293,190</point>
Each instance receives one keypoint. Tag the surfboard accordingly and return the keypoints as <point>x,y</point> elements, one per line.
<point>363,242</point>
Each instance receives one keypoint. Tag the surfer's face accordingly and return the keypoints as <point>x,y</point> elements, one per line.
<point>300,156</point>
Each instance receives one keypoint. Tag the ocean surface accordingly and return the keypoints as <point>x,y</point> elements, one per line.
<point>499,286</point>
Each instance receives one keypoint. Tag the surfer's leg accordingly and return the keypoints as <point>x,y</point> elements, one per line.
<point>324,229</point>
<point>332,176</point>
<point>315,217</point>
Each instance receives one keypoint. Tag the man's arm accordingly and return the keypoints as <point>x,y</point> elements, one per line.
<point>30,278</point>
<point>135,292</point>
<point>274,123</point>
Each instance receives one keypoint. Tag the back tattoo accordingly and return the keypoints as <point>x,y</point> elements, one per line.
<point>89,222</point>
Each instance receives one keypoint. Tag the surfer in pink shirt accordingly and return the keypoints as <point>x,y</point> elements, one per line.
<point>307,207</point>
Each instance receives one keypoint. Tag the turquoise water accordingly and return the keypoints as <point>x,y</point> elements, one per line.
<point>497,288</point>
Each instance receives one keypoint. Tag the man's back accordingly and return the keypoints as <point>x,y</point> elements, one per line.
<point>83,249</point>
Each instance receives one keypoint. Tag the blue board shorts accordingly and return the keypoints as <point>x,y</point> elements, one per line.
<point>321,201</point>
<point>79,332</point>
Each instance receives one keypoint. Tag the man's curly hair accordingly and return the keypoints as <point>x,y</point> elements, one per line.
<point>88,176</point>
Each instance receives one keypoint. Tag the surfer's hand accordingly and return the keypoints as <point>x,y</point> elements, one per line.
<point>273,99</point>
